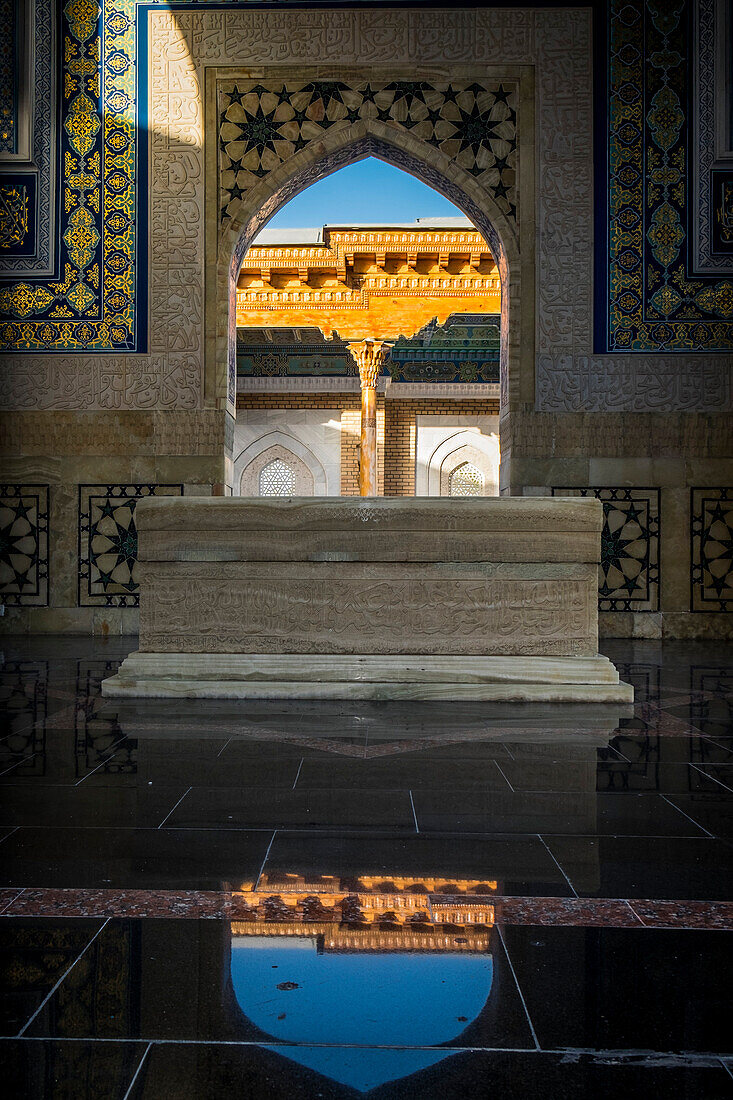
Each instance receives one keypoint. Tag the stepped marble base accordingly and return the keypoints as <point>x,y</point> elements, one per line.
<point>305,676</point>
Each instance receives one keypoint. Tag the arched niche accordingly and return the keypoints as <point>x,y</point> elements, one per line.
<point>309,474</point>
<point>459,445</point>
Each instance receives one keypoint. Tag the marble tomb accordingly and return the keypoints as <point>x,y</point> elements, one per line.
<point>376,598</point>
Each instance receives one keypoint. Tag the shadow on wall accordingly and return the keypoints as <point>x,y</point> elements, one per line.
<point>307,442</point>
<point>457,456</point>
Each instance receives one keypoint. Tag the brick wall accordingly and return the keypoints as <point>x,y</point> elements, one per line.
<point>396,431</point>
<point>401,436</point>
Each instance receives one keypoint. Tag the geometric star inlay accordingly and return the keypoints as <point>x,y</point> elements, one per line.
<point>24,545</point>
<point>108,542</point>
<point>628,574</point>
<point>711,549</point>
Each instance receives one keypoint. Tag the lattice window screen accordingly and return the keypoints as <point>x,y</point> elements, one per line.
<point>277,479</point>
<point>467,481</point>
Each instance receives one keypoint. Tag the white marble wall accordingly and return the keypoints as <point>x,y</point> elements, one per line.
<point>313,435</point>
<point>444,442</point>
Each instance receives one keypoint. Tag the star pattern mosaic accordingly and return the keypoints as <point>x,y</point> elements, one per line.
<point>108,542</point>
<point>711,549</point>
<point>628,578</point>
<point>24,545</point>
<point>260,127</point>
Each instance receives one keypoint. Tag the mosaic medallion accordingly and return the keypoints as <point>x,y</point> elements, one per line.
<point>24,545</point>
<point>711,549</point>
<point>108,542</point>
<point>628,578</point>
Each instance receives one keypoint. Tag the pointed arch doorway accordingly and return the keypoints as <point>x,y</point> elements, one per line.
<point>260,171</point>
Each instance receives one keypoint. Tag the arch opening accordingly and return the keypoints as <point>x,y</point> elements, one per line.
<point>428,165</point>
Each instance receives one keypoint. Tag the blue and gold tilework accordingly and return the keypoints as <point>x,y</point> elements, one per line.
<point>13,214</point>
<point>98,297</point>
<point>8,76</point>
<point>653,303</point>
<point>91,304</point>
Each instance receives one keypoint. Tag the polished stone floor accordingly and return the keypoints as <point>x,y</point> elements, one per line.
<point>209,899</point>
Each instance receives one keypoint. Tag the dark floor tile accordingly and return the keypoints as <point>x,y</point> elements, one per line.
<point>63,758</point>
<point>718,752</point>
<point>505,811</point>
<point>258,807</point>
<point>198,770</point>
<point>719,729</point>
<point>670,778</point>
<point>642,747</point>
<point>705,710</point>
<point>532,773</point>
<point>188,859</point>
<point>42,1069</point>
<point>201,981</point>
<point>161,753</point>
<point>210,1072</point>
<point>481,750</point>
<point>500,864</point>
<point>538,1076</point>
<point>172,1072</point>
<point>34,954</point>
<point>712,810</point>
<point>13,764</point>
<point>579,812</point>
<point>239,751</point>
<point>579,984</point>
<point>652,867</point>
<point>402,772</point>
<point>86,805</point>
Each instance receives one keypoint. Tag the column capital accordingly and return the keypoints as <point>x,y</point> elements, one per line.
<point>369,356</point>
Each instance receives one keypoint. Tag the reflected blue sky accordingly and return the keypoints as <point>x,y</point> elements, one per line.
<point>363,1069</point>
<point>370,999</point>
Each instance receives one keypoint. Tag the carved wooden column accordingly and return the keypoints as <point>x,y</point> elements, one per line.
<point>369,356</point>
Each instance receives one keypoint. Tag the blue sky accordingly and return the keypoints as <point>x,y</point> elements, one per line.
<point>368,191</point>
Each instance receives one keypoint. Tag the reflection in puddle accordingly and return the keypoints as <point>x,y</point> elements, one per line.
<point>357,988</point>
<point>366,962</point>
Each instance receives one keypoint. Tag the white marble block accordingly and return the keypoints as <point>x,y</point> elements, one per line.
<point>483,598</point>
